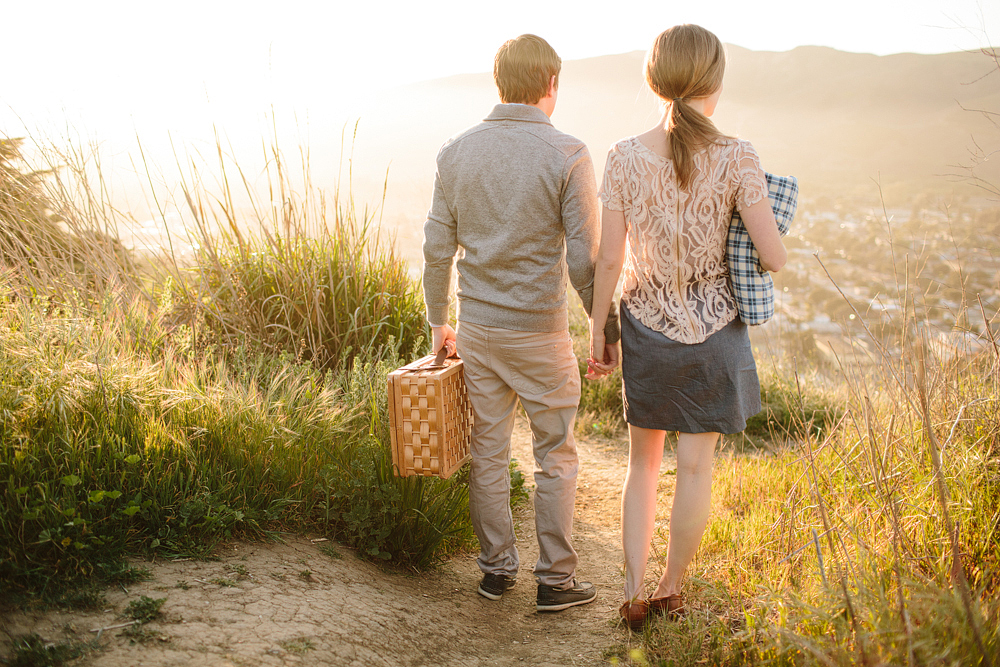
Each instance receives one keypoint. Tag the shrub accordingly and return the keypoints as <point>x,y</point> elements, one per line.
<point>793,405</point>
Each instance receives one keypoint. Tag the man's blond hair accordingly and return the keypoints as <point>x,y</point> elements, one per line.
<point>523,68</point>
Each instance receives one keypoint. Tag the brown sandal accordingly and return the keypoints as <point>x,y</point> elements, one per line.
<point>634,613</point>
<point>671,606</point>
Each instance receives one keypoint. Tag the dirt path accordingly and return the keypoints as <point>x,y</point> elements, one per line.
<point>295,603</point>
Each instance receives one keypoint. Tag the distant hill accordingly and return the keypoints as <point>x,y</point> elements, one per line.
<point>836,120</point>
<point>843,118</point>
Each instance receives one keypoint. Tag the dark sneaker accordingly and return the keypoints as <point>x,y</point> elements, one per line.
<point>493,585</point>
<point>551,598</point>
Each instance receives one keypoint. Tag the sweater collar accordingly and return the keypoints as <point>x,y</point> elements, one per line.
<point>523,112</point>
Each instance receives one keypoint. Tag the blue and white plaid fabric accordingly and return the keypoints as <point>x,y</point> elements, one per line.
<point>752,286</point>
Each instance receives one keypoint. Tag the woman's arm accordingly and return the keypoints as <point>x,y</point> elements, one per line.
<point>610,257</point>
<point>759,221</point>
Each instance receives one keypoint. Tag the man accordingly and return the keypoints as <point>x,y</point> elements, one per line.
<point>519,199</point>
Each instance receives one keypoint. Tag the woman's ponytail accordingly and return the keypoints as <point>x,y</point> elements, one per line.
<point>686,62</point>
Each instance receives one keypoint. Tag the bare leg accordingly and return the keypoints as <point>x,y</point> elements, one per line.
<point>692,502</point>
<point>639,504</point>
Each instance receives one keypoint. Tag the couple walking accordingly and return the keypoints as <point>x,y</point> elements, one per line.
<point>517,201</point>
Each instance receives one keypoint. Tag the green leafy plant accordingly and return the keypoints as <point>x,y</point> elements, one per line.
<point>145,609</point>
<point>519,491</point>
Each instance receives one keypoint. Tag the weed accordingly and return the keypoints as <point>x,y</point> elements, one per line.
<point>33,651</point>
<point>139,634</point>
<point>311,279</point>
<point>144,610</point>
<point>240,571</point>
<point>867,537</point>
<point>600,410</point>
<point>793,407</point>
<point>177,457</point>
<point>298,645</point>
<point>331,551</point>
<point>410,520</point>
<point>183,585</point>
<point>83,597</point>
<point>222,582</point>
<point>123,573</point>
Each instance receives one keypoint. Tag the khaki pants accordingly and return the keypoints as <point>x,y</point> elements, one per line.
<point>540,369</point>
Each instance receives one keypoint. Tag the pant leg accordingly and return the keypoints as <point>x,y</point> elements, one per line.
<point>543,370</point>
<point>493,403</point>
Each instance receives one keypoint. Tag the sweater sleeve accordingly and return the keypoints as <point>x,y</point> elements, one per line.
<point>440,246</point>
<point>581,221</point>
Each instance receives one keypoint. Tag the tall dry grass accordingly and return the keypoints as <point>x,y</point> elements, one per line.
<point>298,271</point>
<point>59,234</point>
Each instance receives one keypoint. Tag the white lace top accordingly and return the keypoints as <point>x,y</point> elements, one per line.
<point>675,267</point>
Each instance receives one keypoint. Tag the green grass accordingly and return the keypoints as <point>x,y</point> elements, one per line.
<point>33,651</point>
<point>328,297</point>
<point>105,451</point>
<point>145,415</point>
<point>600,402</point>
<point>793,406</point>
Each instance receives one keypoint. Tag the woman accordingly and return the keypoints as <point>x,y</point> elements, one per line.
<point>687,365</point>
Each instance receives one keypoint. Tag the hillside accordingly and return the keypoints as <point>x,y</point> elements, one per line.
<point>836,120</point>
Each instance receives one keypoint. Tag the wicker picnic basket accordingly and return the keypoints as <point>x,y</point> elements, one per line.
<point>430,418</point>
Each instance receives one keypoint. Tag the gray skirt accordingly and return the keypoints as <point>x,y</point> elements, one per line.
<point>705,387</point>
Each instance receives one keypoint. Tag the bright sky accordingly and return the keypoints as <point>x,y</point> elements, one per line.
<point>129,65</point>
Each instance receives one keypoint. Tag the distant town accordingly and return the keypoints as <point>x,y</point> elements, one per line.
<point>862,277</point>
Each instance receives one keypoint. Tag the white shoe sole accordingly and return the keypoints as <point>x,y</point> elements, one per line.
<point>489,596</point>
<point>493,596</point>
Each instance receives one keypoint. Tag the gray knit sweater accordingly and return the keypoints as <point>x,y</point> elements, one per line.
<point>516,199</point>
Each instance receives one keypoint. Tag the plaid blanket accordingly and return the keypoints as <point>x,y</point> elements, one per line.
<point>752,286</point>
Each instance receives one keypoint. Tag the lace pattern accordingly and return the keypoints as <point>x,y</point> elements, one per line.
<point>675,265</point>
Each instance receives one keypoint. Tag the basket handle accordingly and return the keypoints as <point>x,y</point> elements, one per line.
<point>438,361</point>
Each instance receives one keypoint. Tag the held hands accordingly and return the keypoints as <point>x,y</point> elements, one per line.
<point>603,357</point>
<point>445,336</point>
